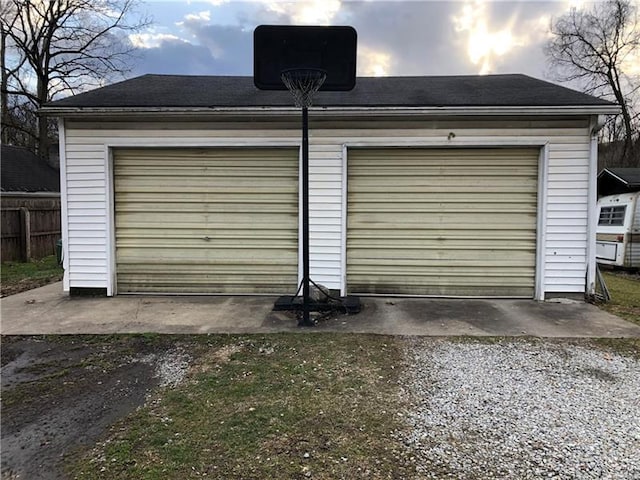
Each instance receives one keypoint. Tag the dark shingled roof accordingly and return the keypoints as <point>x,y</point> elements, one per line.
<point>153,91</point>
<point>614,181</point>
<point>23,171</point>
<point>629,176</point>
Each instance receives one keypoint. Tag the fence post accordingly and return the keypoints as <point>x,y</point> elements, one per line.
<point>25,230</point>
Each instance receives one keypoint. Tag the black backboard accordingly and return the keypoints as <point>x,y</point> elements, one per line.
<point>281,47</point>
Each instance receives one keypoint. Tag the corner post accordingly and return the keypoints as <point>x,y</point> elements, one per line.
<point>592,200</point>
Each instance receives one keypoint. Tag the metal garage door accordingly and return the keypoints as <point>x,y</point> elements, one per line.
<point>206,220</point>
<point>442,221</point>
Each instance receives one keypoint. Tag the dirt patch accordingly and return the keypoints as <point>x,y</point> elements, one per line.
<point>26,284</point>
<point>61,393</point>
<point>216,357</point>
<point>185,406</point>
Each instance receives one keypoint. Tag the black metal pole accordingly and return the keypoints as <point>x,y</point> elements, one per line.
<point>306,321</point>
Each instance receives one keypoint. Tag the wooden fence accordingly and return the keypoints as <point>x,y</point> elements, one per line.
<point>29,233</point>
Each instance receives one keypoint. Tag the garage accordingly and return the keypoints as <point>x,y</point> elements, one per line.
<point>445,222</point>
<point>477,186</point>
<point>206,220</point>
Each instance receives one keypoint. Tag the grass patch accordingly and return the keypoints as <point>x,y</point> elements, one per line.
<point>21,276</point>
<point>629,347</point>
<point>277,406</point>
<point>625,296</point>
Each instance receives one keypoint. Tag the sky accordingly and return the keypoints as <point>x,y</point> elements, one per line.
<point>402,37</point>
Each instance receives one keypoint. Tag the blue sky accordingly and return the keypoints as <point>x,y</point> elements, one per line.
<point>394,37</point>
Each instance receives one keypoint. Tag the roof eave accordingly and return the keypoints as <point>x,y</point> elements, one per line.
<point>617,177</point>
<point>340,111</point>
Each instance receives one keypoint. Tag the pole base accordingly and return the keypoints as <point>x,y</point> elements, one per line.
<point>349,305</point>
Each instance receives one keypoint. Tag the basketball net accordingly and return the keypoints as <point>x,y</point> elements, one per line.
<point>303,83</point>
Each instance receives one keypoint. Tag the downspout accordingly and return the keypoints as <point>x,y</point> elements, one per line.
<point>595,125</point>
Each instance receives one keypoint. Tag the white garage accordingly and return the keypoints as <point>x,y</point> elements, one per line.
<point>480,186</point>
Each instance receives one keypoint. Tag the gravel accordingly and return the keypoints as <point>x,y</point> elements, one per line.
<point>171,367</point>
<point>522,410</point>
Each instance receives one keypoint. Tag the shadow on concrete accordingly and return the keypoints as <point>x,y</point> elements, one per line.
<point>47,310</point>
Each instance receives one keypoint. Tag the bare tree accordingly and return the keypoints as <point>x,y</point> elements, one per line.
<point>598,48</point>
<point>55,47</point>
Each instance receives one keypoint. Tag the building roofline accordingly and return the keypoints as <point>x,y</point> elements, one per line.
<point>618,177</point>
<point>338,111</point>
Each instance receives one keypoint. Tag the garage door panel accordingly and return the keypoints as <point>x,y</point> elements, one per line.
<point>418,258</point>
<point>409,207</point>
<point>195,256</point>
<point>442,222</point>
<point>206,220</point>
<point>457,286</point>
<point>203,188</point>
<point>362,245</point>
<point>203,223</point>
<point>453,220</point>
<point>448,197</point>
<point>413,185</point>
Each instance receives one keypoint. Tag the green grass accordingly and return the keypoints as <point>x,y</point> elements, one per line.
<point>20,276</point>
<point>255,407</point>
<point>625,296</point>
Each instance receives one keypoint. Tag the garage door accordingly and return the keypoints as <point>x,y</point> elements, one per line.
<point>206,220</point>
<point>445,222</point>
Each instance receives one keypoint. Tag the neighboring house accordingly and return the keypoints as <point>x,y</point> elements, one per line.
<point>447,186</point>
<point>25,172</point>
<point>29,194</point>
<point>614,181</point>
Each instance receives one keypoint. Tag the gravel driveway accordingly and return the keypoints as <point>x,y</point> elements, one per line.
<point>520,410</point>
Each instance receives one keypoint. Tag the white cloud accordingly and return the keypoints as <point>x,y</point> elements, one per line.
<point>215,3</point>
<point>152,40</point>
<point>485,44</point>
<point>204,16</point>
<point>373,63</point>
<point>316,12</point>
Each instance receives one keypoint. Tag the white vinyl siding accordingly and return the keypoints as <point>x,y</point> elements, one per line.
<point>88,144</point>
<point>87,214</point>
<point>633,250</point>
<point>206,220</point>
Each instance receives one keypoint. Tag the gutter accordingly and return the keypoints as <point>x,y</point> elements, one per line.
<point>333,112</point>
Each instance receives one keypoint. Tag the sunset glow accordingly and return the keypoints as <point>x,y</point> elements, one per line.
<point>484,43</point>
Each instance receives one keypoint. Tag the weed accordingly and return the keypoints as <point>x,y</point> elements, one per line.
<point>625,296</point>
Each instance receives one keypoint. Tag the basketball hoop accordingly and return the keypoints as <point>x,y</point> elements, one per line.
<point>303,83</point>
<point>304,59</point>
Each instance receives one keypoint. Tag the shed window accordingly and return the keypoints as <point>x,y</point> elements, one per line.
<point>612,215</point>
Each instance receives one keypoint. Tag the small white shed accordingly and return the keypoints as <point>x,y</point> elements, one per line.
<point>446,186</point>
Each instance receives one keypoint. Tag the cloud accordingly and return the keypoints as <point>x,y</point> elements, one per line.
<point>177,57</point>
<point>394,38</point>
<point>204,16</point>
<point>197,47</point>
<point>232,44</point>
<point>416,36</point>
<point>373,63</point>
<point>313,12</point>
<point>484,43</point>
<point>152,40</point>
